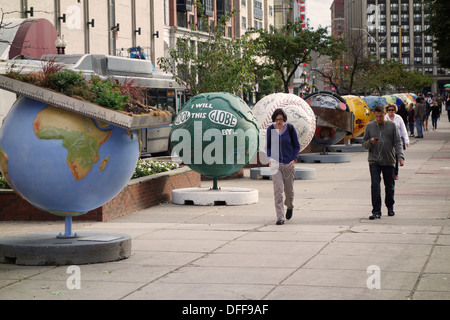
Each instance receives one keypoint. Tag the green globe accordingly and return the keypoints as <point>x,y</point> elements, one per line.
<point>215,134</point>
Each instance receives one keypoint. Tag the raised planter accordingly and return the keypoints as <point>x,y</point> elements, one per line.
<point>138,194</point>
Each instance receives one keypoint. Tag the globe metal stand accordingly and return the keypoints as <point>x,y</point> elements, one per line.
<point>68,229</point>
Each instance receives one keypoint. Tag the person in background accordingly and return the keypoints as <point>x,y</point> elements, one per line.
<point>419,111</point>
<point>435,114</point>
<point>447,107</point>
<point>428,101</point>
<point>411,119</point>
<point>282,149</point>
<point>391,115</point>
<point>402,112</point>
<point>383,141</point>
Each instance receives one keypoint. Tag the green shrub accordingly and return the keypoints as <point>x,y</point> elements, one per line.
<point>3,183</point>
<point>65,80</point>
<point>108,93</point>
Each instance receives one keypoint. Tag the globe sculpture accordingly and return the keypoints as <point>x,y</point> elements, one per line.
<point>373,101</point>
<point>298,112</point>
<point>334,119</point>
<point>362,114</point>
<point>63,162</point>
<point>215,134</point>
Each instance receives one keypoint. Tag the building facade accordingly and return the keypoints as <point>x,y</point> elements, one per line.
<point>98,27</point>
<point>337,18</point>
<point>113,26</point>
<point>394,29</point>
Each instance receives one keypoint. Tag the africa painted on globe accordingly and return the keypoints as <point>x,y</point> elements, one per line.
<point>79,136</point>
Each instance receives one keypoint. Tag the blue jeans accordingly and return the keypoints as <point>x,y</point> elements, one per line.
<point>434,122</point>
<point>411,128</point>
<point>389,186</point>
<point>419,127</point>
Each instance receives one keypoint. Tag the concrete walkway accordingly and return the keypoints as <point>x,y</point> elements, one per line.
<point>328,250</point>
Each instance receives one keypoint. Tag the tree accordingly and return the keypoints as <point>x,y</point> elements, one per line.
<point>284,50</point>
<point>440,28</point>
<point>214,64</point>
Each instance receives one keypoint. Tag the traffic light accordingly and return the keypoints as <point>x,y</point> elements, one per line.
<point>346,67</point>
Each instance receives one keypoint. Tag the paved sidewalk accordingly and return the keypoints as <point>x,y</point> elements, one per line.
<point>328,250</point>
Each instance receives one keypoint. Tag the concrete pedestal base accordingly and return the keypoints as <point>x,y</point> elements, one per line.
<point>40,249</point>
<point>209,197</point>
<point>347,148</point>
<point>324,158</point>
<point>300,173</point>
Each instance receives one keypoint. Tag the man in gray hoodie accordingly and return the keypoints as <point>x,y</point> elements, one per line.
<point>383,141</point>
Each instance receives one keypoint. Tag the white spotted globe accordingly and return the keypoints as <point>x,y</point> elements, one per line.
<point>298,112</point>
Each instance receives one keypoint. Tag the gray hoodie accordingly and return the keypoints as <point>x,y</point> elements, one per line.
<point>388,146</point>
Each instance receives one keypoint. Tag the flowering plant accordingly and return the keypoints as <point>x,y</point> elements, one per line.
<point>148,167</point>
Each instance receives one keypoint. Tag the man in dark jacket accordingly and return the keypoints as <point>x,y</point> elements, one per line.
<point>419,112</point>
<point>383,141</point>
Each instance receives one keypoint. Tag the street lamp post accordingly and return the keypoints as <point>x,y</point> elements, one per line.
<point>60,45</point>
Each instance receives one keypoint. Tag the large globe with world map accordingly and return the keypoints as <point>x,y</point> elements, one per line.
<point>63,162</point>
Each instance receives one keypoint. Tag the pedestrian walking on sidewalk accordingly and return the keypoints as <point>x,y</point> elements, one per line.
<point>391,115</point>
<point>411,119</point>
<point>282,149</point>
<point>419,112</point>
<point>447,107</point>
<point>383,141</point>
<point>435,114</point>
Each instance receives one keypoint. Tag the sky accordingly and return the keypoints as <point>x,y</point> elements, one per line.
<point>319,13</point>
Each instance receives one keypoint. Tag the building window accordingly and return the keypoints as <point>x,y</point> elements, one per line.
<point>184,5</point>
<point>181,19</point>
<point>417,7</point>
<point>394,7</point>
<point>257,9</point>
<point>223,8</point>
<point>244,23</point>
<point>209,7</point>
